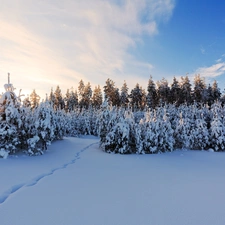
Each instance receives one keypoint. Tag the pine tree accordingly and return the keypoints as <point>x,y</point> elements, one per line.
<point>216,91</point>
<point>73,100</point>
<point>34,99</point>
<point>143,99</point>
<point>210,95</point>
<point>175,92</point>
<point>81,93</point>
<point>136,97</point>
<point>58,99</point>
<point>26,102</point>
<point>124,96</point>
<point>111,93</point>
<point>163,91</point>
<point>151,98</point>
<point>186,92</point>
<point>66,99</point>
<point>199,92</point>
<point>97,97</point>
<point>51,98</point>
<point>87,94</point>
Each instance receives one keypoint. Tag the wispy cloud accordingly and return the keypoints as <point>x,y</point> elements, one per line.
<point>212,71</point>
<point>219,60</point>
<point>60,42</point>
<point>202,50</point>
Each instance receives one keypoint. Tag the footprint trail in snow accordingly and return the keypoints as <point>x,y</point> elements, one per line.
<point>34,181</point>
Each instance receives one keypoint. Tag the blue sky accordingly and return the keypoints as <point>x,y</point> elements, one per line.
<point>48,43</point>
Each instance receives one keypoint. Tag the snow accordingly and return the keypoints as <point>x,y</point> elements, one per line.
<point>75,182</point>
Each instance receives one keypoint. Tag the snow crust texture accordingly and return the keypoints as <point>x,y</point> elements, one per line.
<point>77,183</point>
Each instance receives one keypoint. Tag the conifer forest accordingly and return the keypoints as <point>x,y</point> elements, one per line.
<point>182,115</point>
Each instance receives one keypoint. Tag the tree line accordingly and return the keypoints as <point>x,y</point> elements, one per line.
<point>157,94</point>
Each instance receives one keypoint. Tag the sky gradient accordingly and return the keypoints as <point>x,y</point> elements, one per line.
<point>46,43</point>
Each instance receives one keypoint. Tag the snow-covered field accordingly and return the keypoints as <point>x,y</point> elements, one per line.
<point>76,183</point>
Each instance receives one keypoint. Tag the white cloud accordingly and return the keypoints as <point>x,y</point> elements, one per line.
<point>46,43</point>
<point>211,71</point>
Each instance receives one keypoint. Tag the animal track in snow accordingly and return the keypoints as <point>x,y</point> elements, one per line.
<point>33,182</point>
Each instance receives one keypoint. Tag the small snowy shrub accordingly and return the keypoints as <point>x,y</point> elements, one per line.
<point>33,148</point>
<point>3,153</point>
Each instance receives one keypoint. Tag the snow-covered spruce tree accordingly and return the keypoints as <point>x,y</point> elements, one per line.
<point>27,128</point>
<point>150,135</point>
<point>163,127</point>
<point>123,136</point>
<point>85,123</point>
<point>217,132</point>
<point>173,112</point>
<point>129,118</point>
<point>74,122</point>
<point>60,122</point>
<point>117,140</point>
<point>93,113</point>
<point>107,120</point>
<point>182,133</point>
<point>103,122</point>
<point>43,131</point>
<point>138,128</point>
<point>10,121</point>
<point>9,126</point>
<point>199,131</point>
